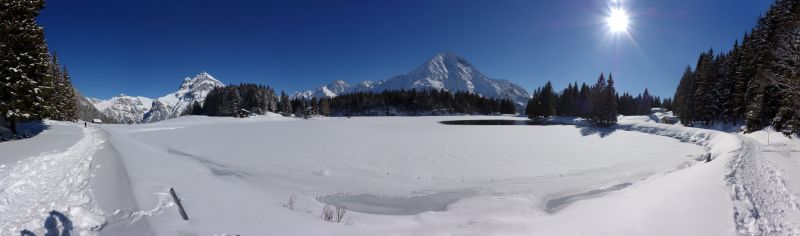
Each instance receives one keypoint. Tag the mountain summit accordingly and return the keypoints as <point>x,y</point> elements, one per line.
<point>127,109</point>
<point>444,71</point>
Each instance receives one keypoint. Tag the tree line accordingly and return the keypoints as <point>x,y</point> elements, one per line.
<point>598,103</point>
<point>237,100</point>
<point>416,102</point>
<point>757,82</point>
<point>259,99</point>
<point>33,83</point>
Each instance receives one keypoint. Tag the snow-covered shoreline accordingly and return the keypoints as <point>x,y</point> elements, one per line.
<point>493,187</point>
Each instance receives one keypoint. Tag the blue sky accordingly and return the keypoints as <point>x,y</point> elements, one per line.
<point>147,47</point>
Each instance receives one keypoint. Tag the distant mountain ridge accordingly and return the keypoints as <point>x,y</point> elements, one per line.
<point>137,109</point>
<point>445,71</point>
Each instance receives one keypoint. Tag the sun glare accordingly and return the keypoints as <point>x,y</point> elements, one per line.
<point>618,20</point>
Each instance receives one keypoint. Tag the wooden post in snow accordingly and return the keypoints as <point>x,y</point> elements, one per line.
<point>178,202</point>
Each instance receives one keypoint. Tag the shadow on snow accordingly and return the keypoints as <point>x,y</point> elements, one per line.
<point>51,225</point>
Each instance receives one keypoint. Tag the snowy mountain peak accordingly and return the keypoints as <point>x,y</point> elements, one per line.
<point>203,79</point>
<point>327,91</point>
<point>444,71</point>
<point>447,59</point>
<point>127,109</point>
<point>338,86</point>
<point>339,83</point>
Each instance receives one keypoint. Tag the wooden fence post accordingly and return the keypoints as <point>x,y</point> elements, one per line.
<point>178,202</point>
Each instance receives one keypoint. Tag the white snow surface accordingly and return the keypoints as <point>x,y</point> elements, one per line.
<point>391,166</point>
<point>407,176</point>
<point>32,187</point>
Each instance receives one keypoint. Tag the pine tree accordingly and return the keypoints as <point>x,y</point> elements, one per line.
<point>646,103</point>
<point>325,107</point>
<point>23,61</point>
<point>286,104</point>
<point>610,110</point>
<point>703,91</point>
<point>598,100</point>
<point>548,100</point>
<point>196,109</point>
<point>58,93</point>
<point>566,102</point>
<point>585,101</point>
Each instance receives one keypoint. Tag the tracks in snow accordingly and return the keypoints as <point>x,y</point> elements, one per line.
<point>763,204</point>
<point>37,185</point>
<point>760,196</point>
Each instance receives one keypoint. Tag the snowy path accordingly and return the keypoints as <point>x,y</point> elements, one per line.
<point>37,185</point>
<point>762,200</point>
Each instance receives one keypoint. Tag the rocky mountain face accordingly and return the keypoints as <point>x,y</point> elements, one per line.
<point>123,108</point>
<point>444,71</point>
<point>330,90</point>
<point>87,111</point>
<point>129,109</point>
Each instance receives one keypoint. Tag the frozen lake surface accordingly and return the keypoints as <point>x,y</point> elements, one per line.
<point>377,167</point>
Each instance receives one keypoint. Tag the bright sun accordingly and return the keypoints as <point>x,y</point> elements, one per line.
<point>618,20</point>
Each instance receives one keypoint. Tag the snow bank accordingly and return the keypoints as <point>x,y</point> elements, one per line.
<point>50,187</point>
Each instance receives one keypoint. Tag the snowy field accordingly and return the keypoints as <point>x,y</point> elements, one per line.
<point>400,176</point>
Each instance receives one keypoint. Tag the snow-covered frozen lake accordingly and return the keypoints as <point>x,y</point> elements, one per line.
<point>395,174</point>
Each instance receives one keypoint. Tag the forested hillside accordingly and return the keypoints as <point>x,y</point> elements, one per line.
<point>599,103</point>
<point>33,83</point>
<point>757,82</point>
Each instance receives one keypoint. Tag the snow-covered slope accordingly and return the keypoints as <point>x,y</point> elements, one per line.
<point>445,71</point>
<point>173,104</point>
<point>128,109</point>
<point>123,108</point>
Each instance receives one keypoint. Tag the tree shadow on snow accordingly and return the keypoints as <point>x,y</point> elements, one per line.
<point>587,130</point>
<point>24,130</point>
<point>51,225</point>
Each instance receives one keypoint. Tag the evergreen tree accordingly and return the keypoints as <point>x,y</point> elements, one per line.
<point>548,100</point>
<point>196,109</point>
<point>703,91</point>
<point>646,103</point>
<point>325,107</point>
<point>756,80</point>
<point>58,93</point>
<point>286,104</point>
<point>598,100</point>
<point>585,100</point>
<point>567,102</point>
<point>24,61</point>
<point>684,102</point>
<point>610,111</point>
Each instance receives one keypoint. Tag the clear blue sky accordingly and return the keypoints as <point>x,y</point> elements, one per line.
<point>146,47</point>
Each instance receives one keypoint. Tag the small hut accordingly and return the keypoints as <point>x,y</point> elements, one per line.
<point>242,113</point>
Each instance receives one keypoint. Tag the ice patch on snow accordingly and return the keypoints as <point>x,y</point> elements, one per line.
<point>555,204</point>
<point>398,205</point>
<point>215,168</point>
